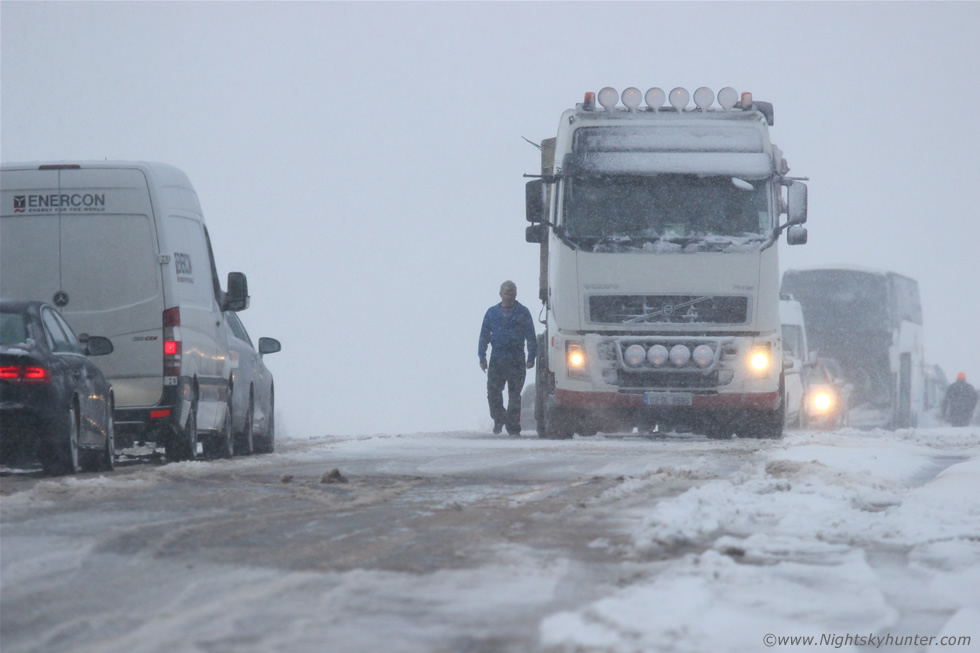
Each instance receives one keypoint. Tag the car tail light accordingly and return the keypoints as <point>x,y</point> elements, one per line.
<point>30,374</point>
<point>171,346</point>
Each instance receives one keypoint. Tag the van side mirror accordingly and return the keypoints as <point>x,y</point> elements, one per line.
<point>796,199</point>
<point>534,200</point>
<point>236,299</point>
<point>269,345</point>
<point>796,235</point>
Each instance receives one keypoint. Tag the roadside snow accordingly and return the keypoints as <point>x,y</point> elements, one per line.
<point>808,542</point>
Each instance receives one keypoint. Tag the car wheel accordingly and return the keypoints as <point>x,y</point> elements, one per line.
<point>108,462</point>
<point>182,443</point>
<point>245,441</point>
<point>62,457</point>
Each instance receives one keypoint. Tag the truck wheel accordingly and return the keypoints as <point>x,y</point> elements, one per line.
<point>558,424</point>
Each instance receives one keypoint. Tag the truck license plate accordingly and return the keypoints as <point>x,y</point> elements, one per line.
<point>667,398</point>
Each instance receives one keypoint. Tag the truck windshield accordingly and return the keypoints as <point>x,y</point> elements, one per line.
<point>629,211</point>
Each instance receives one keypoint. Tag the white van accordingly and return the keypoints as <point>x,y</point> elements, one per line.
<point>122,250</point>
<point>796,357</point>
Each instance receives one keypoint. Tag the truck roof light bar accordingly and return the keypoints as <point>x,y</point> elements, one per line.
<point>655,98</point>
<point>727,98</point>
<point>608,97</point>
<point>679,98</point>
<point>703,97</point>
<point>632,98</point>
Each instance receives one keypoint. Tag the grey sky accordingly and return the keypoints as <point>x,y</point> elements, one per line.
<point>362,162</point>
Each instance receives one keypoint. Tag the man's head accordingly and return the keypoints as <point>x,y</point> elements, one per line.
<point>961,376</point>
<point>508,293</point>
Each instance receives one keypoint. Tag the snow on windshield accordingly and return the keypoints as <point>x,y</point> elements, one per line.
<point>665,213</point>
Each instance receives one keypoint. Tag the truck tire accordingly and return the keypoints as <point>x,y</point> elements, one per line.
<point>558,424</point>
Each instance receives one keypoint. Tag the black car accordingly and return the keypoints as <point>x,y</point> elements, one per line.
<point>253,400</point>
<point>55,404</point>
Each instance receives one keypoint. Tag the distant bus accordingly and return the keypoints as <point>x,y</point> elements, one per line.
<point>871,322</point>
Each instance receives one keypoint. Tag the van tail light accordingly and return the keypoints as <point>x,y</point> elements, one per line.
<point>171,343</point>
<point>31,374</point>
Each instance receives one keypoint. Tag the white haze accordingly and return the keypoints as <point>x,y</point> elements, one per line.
<point>362,162</point>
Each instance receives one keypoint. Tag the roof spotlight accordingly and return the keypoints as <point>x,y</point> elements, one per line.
<point>703,97</point>
<point>727,98</point>
<point>632,98</point>
<point>679,98</point>
<point>608,97</point>
<point>655,98</point>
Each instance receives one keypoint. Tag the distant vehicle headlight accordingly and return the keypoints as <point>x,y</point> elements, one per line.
<point>679,355</point>
<point>657,355</point>
<point>822,401</point>
<point>634,355</point>
<point>704,355</point>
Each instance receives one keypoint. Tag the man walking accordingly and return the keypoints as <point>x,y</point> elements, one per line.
<point>506,327</point>
<point>959,402</point>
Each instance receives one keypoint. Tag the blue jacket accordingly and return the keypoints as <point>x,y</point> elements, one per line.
<point>506,334</point>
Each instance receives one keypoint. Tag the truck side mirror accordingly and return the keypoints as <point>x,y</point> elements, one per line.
<point>796,235</point>
<point>796,198</point>
<point>534,199</point>
<point>236,299</point>
<point>536,233</point>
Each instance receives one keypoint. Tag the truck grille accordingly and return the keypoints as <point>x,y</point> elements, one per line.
<point>668,309</point>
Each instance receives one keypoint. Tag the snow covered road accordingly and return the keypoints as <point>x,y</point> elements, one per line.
<point>473,542</point>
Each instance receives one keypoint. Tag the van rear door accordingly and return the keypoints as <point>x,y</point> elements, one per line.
<point>86,242</point>
<point>30,240</point>
<point>111,272</point>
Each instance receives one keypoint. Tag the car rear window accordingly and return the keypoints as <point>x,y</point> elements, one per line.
<point>13,329</point>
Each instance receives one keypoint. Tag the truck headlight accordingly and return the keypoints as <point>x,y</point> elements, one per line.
<point>575,358</point>
<point>634,355</point>
<point>657,355</point>
<point>704,355</point>
<point>679,355</point>
<point>760,358</point>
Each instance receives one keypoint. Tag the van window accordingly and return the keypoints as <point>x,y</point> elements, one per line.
<point>108,261</point>
<point>191,261</point>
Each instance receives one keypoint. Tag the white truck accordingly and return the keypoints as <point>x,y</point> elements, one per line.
<point>658,227</point>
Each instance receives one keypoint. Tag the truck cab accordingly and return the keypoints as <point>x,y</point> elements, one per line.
<point>658,229</point>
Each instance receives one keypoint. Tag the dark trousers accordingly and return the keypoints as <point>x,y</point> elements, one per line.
<point>509,372</point>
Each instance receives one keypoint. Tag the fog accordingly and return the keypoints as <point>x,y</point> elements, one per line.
<point>362,162</point>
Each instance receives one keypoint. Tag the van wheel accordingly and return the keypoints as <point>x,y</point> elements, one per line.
<point>182,444</point>
<point>267,443</point>
<point>221,444</point>
<point>245,441</point>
